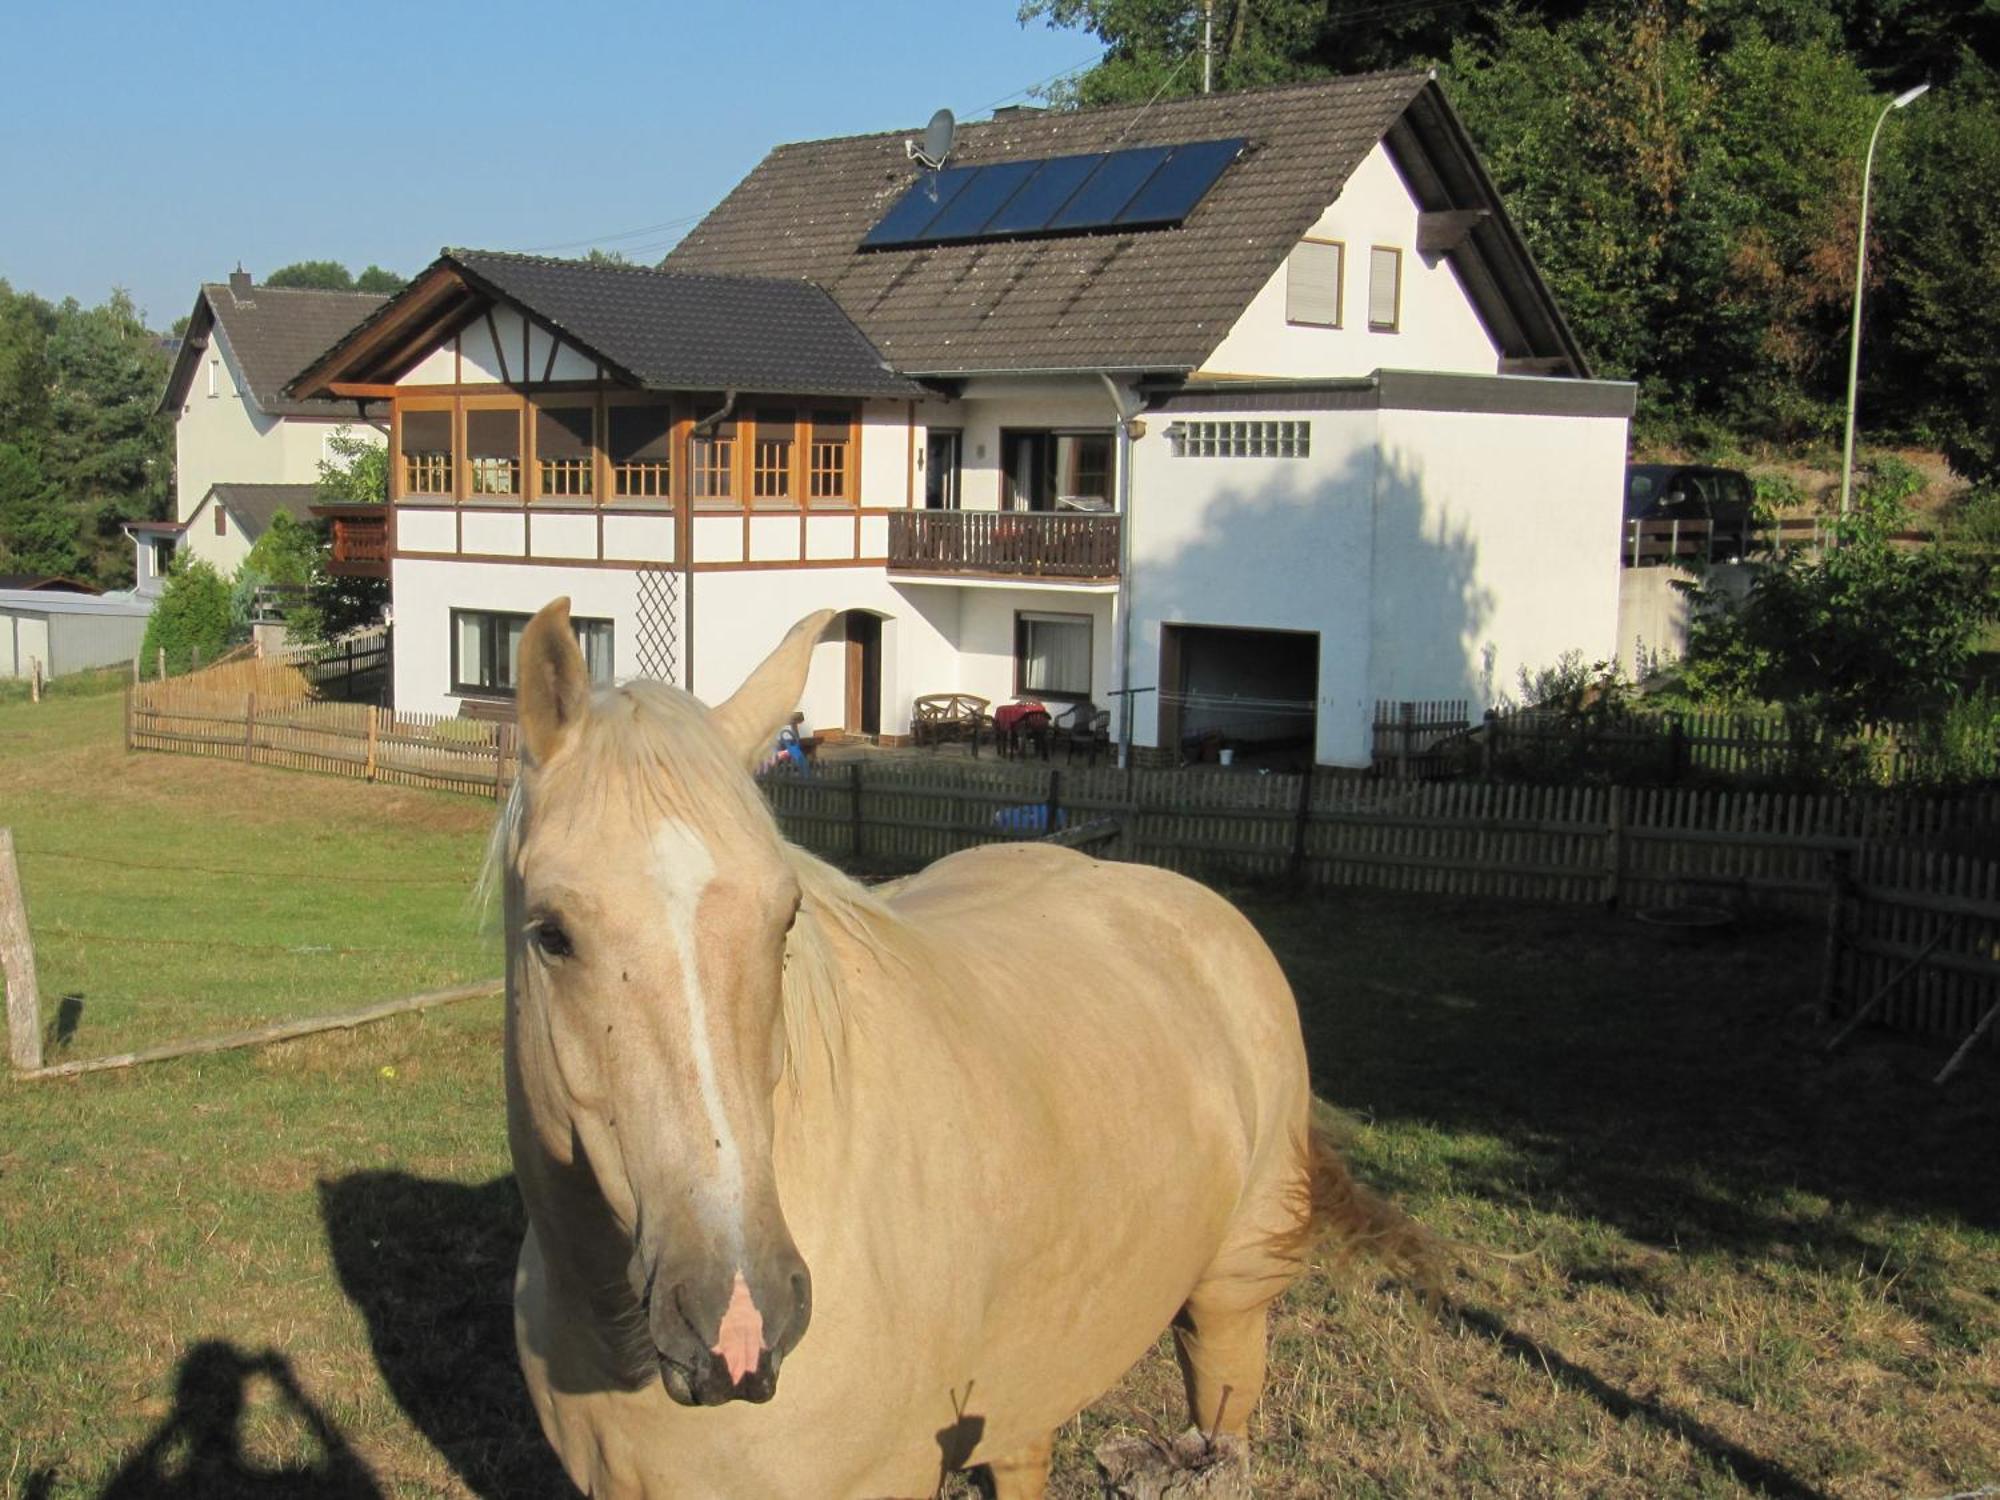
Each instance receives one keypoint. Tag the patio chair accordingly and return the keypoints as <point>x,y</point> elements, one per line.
<point>1088,726</point>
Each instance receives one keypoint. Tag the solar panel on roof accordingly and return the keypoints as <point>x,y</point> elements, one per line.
<point>929,195</point>
<point>1180,183</point>
<point>989,191</point>
<point>1109,189</point>
<point>1048,190</point>
<point>1147,186</point>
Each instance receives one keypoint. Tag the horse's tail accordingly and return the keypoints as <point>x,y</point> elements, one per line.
<point>1357,1222</point>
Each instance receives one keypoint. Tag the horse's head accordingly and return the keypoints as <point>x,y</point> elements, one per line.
<point>648,903</point>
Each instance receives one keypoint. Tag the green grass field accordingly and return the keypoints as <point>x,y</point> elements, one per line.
<point>1689,1255</point>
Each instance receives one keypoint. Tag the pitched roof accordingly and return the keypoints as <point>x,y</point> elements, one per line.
<point>44,583</point>
<point>271,332</point>
<point>657,330</point>
<point>1154,299</point>
<point>254,505</point>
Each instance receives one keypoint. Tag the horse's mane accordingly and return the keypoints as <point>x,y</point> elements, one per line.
<point>646,751</point>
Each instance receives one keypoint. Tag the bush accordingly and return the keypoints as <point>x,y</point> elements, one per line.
<point>192,615</point>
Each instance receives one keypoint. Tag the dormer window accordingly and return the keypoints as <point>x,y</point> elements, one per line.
<point>1385,289</point>
<point>1312,283</point>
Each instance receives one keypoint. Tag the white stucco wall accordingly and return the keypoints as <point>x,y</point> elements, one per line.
<point>225,553</point>
<point>1437,330</point>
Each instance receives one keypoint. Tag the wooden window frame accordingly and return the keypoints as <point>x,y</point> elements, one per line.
<point>1339,285</point>
<point>524,446</point>
<point>1397,325</point>
<point>680,422</point>
<point>398,478</point>
<point>745,421</point>
<point>1089,623</point>
<point>221,520</point>
<point>850,465</point>
<point>599,440</point>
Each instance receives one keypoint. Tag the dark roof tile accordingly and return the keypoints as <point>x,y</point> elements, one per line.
<point>272,333</point>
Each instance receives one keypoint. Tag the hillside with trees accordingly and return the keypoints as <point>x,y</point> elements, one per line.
<point>1688,177</point>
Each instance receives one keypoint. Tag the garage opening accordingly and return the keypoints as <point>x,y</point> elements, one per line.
<point>1240,697</point>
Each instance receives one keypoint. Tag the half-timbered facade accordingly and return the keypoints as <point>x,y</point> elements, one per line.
<point>1244,410</point>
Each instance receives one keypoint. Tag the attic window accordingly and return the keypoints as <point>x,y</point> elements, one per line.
<point>1312,282</point>
<point>1385,289</point>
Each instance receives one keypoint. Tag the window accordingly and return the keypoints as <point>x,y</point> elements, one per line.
<point>641,445</point>
<point>1385,289</point>
<point>163,558</point>
<point>827,456</point>
<point>486,645</point>
<point>1068,471</point>
<point>1241,439</point>
<point>1052,655</point>
<point>1312,282</point>
<point>221,520</point>
<point>771,457</point>
<point>493,452</point>
<point>941,457</point>
<point>711,467</point>
<point>565,452</point>
<point>427,452</point>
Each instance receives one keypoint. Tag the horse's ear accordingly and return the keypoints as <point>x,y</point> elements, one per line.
<point>552,683</point>
<point>755,711</point>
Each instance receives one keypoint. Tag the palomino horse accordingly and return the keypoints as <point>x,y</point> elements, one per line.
<point>989,1132</point>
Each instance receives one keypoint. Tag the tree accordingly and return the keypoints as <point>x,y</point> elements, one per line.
<point>192,616</point>
<point>376,279</point>
<point>313,275</point>
<point>1866,633</point>
<point>288,555</point>
<point>38,533</point>
<point>357,474</point>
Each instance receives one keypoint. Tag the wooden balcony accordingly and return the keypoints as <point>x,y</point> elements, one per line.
<point>1005,543</point>
<point>360,540</point>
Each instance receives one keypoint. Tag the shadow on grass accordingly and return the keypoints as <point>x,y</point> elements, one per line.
<point>430,1265</point>
<point>198,1453</point>
<point>1567,1062</point>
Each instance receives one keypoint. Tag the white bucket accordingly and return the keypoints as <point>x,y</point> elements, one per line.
<point>1226,755</point>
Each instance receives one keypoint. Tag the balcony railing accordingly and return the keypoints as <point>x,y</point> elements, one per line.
<point>1011,543</point>
<point>360,540</point>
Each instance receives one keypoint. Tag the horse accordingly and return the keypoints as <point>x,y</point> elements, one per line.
<point>949,1155</point>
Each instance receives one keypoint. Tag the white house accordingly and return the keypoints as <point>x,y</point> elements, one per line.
<point>243,448</point>
<point>1246,410</point>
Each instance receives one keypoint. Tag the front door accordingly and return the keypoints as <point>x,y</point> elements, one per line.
<point>864,673</point>
<point>941,469</point>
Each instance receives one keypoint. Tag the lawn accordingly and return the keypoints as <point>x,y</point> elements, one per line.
<point>1688,1254</point>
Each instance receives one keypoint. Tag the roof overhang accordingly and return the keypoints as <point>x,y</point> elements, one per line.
<point>194,343</point>
<point>440,300</point>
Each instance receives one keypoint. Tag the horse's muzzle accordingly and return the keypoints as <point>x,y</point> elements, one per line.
<point>686,1327</point>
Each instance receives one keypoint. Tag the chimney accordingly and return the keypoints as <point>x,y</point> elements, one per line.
<point>239,283</point>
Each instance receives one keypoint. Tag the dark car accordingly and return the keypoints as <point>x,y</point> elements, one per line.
<point>1723,498</point>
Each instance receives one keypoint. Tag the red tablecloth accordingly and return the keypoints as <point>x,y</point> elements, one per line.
<point>1007,715</point>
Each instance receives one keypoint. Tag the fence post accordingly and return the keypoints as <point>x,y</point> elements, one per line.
<point>1301,821</point>
<point>249,725</point>
<point>1408,728</point>
<point>1677,749</point>
<point>128,721</point>
<point>163,663</point>
<point>1614,848</point>
<point>1487,749</point>
<point>34,679</point>
<point>136,673</point>
<point>17,965</point>
<point>374,735</point>
<point>194,658</point>
<point>1840,888</point>
<point>854,808</point>
<point>1052,807</point>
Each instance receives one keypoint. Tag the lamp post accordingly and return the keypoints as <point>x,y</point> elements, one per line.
<point>1908,96</point>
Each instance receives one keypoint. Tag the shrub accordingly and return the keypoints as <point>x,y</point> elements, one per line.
<point>192,615</point>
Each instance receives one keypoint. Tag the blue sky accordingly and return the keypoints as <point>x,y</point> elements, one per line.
<point>152,146</point>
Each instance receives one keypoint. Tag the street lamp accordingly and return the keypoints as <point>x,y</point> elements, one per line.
<point>1908,96</point>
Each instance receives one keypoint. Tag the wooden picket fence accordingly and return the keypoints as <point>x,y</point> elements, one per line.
<point>1630,847</point>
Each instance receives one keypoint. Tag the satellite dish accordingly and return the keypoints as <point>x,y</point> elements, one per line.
<point>937,140</point>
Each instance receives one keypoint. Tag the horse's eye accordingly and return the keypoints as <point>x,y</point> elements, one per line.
<point>549,936</point>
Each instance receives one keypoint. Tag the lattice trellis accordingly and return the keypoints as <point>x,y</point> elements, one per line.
<point>659,625</point>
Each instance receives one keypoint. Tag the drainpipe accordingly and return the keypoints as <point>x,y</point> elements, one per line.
<point>685,541</point>
<point>1126,416</point>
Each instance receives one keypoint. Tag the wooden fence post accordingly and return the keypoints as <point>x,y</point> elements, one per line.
<point>1677,750</point>
<point>1301,821</point>
<point>1839,889</point>
<point>374,738</point>
<point>17,965</point>
<point>1052,807</point>
<point>1408,735</point>
<point>194,658</point>
<point>1488,750</point>
<point>249,725</point>
<point>34,679</point>
<point>854,808</point>
<point>161,653</point>
<point>1614,848</point>
<point>137,675</point>
<point>128,719</point>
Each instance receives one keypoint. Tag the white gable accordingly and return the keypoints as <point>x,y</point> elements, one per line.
<point>1437,327</point>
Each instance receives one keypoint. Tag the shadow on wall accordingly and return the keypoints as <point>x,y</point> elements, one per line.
<point>1395,596</point>
<point>430,1266</point>
<point>199,1453</point>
